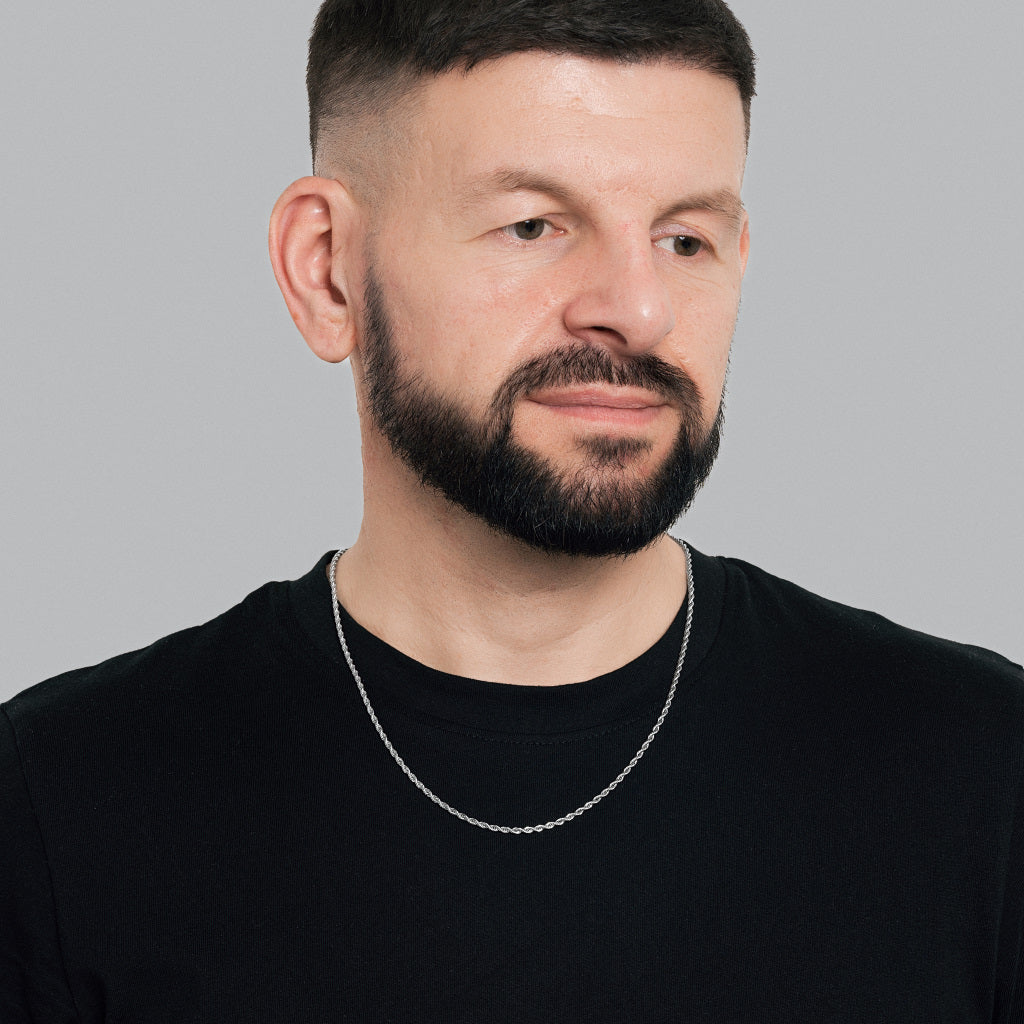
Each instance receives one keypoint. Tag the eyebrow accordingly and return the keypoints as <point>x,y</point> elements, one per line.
<point>723,201</point>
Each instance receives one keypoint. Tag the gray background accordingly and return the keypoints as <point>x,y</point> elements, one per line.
<point>169,443</point>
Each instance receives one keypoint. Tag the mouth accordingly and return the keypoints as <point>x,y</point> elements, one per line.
<point>602,404</point>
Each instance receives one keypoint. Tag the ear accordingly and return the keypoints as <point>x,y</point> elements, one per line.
<point>313,232</point>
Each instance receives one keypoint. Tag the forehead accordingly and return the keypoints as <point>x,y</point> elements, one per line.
<point>605,120</point>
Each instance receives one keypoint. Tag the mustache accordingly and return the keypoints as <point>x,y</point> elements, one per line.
<point>579,365</point>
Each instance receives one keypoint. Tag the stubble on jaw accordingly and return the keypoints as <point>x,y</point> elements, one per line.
<point>599,509</point>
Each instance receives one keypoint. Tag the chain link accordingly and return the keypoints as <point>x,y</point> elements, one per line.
<point>516,830</point>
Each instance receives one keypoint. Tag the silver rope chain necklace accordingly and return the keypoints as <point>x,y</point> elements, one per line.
<point>516,830</point>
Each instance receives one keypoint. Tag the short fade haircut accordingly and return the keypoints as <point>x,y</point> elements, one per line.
<point>367,56</point>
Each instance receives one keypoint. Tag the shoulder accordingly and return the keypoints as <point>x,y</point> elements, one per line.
<point>842,647</point>
<point>918,730</point>
<point>162,691</point>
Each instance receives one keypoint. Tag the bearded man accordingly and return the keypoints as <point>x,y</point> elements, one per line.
<point>516,753</point>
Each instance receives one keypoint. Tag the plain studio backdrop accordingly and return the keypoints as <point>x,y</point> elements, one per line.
<point>169,442</point>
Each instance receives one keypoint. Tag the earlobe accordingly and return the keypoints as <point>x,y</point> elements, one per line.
<point>311,236</point>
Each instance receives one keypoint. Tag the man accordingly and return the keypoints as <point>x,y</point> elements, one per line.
<point>517,754</point>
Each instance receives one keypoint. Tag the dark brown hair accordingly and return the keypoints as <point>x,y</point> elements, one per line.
<point>365,55</point>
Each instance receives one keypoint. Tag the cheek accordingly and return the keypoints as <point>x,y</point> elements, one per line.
<point>700,345</point>
<point>469,330</point>
<point>704,330</point>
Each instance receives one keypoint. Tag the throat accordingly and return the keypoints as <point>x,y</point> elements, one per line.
<point>556,622</point>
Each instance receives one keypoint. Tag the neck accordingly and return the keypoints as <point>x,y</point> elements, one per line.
<point>446,590</point>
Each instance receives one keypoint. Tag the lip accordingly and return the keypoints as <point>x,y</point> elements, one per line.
<point>598,398</point>
<point>603,407</point>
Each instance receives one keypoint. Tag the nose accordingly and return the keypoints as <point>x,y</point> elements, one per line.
<point>620,295</point>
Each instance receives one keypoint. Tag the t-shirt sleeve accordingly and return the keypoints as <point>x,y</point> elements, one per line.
<point>33,986</point>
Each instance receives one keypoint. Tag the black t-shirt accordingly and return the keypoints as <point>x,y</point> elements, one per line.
<point>825,828</point>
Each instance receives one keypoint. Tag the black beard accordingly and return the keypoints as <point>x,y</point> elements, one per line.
<point>479,467</point>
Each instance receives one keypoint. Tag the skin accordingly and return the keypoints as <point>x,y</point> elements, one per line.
<point>617,161</point>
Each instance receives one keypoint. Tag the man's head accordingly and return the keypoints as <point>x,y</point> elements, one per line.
<point>537,270</point>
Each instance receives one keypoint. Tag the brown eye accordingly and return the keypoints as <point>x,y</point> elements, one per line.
<point>528,230</point>
<point>686,245</point>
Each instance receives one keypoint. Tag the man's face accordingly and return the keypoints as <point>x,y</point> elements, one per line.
<point>551,292</point>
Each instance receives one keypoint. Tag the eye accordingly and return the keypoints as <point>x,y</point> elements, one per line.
<point>527,230</point>
<point>682,245</point>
